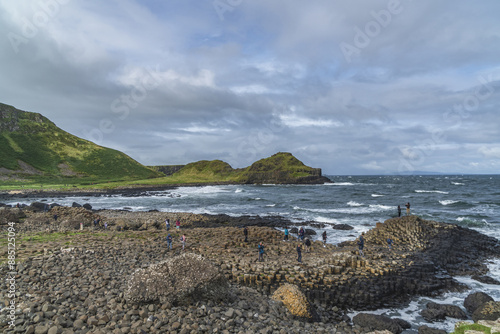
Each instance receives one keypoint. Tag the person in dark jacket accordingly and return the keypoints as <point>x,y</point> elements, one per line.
<point>169,241</point>
<point>245,233</point>
<point>299,252</point>
<point>361,244</point>
<point>261,252</point>
<point>307,243</point>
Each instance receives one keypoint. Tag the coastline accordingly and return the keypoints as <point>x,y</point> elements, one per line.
<point>220,239</point>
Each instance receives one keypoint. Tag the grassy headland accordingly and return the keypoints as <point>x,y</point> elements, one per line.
<point>36,154</point>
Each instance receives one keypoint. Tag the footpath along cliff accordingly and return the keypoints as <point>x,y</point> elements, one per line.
<point>98,264</point>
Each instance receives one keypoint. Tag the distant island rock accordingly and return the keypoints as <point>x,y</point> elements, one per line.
<point>280,168</point>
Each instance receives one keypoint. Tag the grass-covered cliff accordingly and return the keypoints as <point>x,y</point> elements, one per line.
<point>34,148</point>
<point>281,168</point>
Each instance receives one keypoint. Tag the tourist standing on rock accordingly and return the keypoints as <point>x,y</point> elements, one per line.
<point>55,217</point>
<point>361,244</point>
<point>106,226</point>
<point>407,208</point>
<point>299,252</point>
<point>302,234</point>
<point>389,243</point>
<point>308,245</point>
<point>245,233</point>
<point>399,210</point>
<point>177,224</point>
<point>167,224</point>
<point>169,241</point>
<point>183,241</point>
<point>324,238</point>
<point>286,234</point>
<point>261,252</point>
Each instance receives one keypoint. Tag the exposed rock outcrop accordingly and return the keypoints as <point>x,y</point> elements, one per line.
<point>377,322</point>
<point>180,280</point>
<point>487,311</point>
<point>439,312</point>
<point>475,300</point>
<point>295,301</point>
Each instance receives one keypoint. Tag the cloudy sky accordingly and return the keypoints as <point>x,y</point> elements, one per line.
<point>352,87</point>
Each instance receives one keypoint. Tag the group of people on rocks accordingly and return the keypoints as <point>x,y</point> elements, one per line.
<point>169,237</point>
<point>407,205</point>
<point>301,236</point>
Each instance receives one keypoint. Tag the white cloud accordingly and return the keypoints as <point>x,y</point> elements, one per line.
<point>490,151</point>
<point>295,121</point>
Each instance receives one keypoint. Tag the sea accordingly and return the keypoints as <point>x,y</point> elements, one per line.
<point>471,201</point>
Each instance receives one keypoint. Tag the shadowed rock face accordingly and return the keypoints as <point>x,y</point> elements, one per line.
<point>181,280</point>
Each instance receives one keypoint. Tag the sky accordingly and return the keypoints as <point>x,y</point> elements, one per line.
<point>364,87</point>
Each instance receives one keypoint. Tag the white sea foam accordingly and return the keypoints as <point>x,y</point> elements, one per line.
<point>458,183</point>
<point>239,190</point>
<point>353,203</point>
<point>448,202</point>
<point>271,205</point>
<point>431,191</point>
<point>377,195</point>
<point>341,184</point>
<point>372,208</point>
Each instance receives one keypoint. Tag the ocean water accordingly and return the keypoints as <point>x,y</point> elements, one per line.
<point>360,201</point>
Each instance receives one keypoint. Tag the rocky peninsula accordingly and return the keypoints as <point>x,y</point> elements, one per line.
<point>74,276</point>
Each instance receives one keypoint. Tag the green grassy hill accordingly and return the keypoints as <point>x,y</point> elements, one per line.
<point>33,148</point>
<point>281,168</point>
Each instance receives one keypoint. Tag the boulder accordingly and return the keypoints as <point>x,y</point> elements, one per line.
<point>76,205</point>
<point>375,322</point>
<point>487,311</point>
<point>87,206</point>
<point>476,299</point>
<point>343,227</point>
<point>11,215</point>
<point>485,279</point>
<point>438,312</point>
<point>180,280</point>
<point>38,207</point>
<point>429,330</point>
<point>309,231</point>
<point>295,301</point>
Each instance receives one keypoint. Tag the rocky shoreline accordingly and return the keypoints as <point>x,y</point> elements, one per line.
<point>73,280</point>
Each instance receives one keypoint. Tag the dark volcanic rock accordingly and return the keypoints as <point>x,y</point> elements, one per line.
<point>475,300</point>
<point>375,322</point>
<point>38,207</point>
<point>76,205</point>
<point>87,206</point>
<point>181,280</point>
<point>487,311</point>
<point>11,215</point>
<point>343,227</point>
<point>438,312</point>
<point>309,231</point>
<point>485,279</point>
<point>429,330</point>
